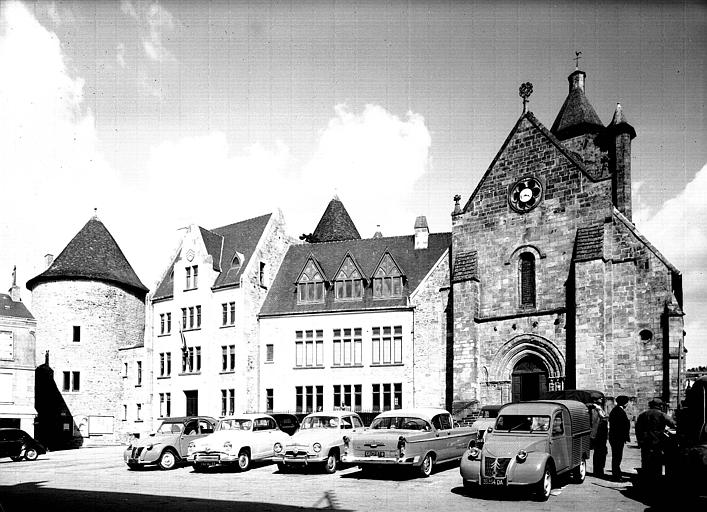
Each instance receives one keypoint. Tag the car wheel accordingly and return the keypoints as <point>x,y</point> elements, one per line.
<point>244,460</point>
<point>31,454</point>
<point>168,460</point>
<point>331,463</point>
<point>17,458</point>
<point>470,486</point>
<point>133,467</point>
<point>544,486</point>
<point>426,466</point>
<point>580,472</point>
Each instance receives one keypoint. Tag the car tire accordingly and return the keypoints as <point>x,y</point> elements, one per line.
<point>427,465</point>
<point>133,467</point>
<point>331,463</point>
<point>168,460</point>
<point>244,460</point>
<point>17,458</point>
<point>544,486</point>
<point>470,487</point>
<point>31,454</point>
<point>580,472</point>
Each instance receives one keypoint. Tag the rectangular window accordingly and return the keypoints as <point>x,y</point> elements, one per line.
<point>299,349</point>
<point>311,291</point>
<point>224,358</point>
<point>269,400</point>
<point>349,289</point>
<point>228,358</point>
<point>387,348</point>
<point>125,370</point>
<point>224,402</point>
<point>269,353</point>
<point>76,333</point>
<point>162,405</point>
<point>195,274</point>
<point>191,360</point>
<point>72,381</point>
<point>188,271</point>
<point>169,323</point>
<point>198,317</point>
<point>198,359</point>
<point>231,402</point>
<point>337,396</point>
<point>347,347</point>
<point>228,313</point>
<point>125,412</point>
<point>298,398</point>
<point>390,396</point>
<point>320,398</point>
<point>162,323</point>
<point>138,414</point>
<point>357,397</point>
<point>398,344</point>
<point>169,364</point>
<point>232,313</point>
<point>386,397</point>
<point>139,373</point>
<point>67,382</point>
<point>168,402</point>
<point>224,314</point>
<point>376,345</point>
<point>162,364</point>
<point>398,397</point>
<point>309,350</point>
<point>232,356</point>
<point>376,397</point>
<point>261,274</point>
<point>184,318</point>
<point>191,317</point>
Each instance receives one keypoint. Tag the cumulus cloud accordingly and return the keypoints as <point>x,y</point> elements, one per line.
<point>679,231</point>
<point>158,21</point>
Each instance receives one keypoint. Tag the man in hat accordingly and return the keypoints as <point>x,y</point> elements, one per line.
<point>650,434</point>
<point>619,433</point>
<point>598,435</point>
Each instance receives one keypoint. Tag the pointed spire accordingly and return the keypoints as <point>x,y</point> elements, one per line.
<point>335,225</point>
<point>577,116</point>
<point>619,124</point>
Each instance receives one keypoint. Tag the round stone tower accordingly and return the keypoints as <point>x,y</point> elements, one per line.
<point>89,305</point>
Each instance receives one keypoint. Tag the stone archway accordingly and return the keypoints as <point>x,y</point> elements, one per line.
<point>528,379</point>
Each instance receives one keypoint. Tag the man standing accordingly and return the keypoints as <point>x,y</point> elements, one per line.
<point>598,436</point>
<point>650,434</point>
<point>619,433</point>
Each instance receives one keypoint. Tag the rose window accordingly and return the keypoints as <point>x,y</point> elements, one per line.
<point>525,195</point>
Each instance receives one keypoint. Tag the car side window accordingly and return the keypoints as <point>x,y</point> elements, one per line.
<point>357,423</point>
<point>445,421</point>
<point>557,425</point>
<point>205,427</point>
<point>191,429</point>
<point>437,422</point>
<point>346,422</point>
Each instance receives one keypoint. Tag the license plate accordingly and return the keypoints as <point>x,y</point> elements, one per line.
<point>493,481</point>
<point>374,454</point>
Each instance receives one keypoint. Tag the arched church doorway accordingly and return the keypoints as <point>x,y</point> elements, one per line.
<point>529,379</point>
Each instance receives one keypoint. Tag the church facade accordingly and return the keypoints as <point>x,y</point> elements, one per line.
<point>553,286</point>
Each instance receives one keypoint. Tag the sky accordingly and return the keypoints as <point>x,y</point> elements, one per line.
<point>163,114</point>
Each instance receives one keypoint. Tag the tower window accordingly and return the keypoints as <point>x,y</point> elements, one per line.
<point>76,333</point>
<point>526,265</point>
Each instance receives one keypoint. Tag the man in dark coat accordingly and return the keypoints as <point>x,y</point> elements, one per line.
<point>650,434</point>
<point>619,433</point>
<point>598,436</point>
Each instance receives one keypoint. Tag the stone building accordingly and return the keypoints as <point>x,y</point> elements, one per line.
<point>90,311</point>
<point>553,284</point>
<point>17,361</point>
<point>203,330</point>
<point>356,323</point>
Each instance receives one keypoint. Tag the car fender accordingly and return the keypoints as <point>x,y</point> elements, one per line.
<point>470,469</point>
<point>530,470</point>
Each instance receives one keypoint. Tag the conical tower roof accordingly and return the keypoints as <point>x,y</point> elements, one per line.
<point>92,254</point>
<point>335,225</point>
<point>577,116</point>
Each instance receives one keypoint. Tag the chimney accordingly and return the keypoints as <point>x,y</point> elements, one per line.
<point>422,232</point>
<point>620,135</point>
<point>378,233</point>
<point>48,260</point>
<point>14,289</point>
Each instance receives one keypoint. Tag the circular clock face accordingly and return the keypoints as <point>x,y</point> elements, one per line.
<point>525,195</point>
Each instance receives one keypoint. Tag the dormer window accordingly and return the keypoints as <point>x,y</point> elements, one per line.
<point>235,263</point>
<point>348,281</point>
<point>387,279</point>
<point>310,285</point>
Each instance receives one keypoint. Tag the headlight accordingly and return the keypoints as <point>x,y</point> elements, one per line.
<point>317,447</point>
<point>521,456</point>
<point>227,445</point>
<point>474,453</point>
<point>191,448</point>
<point>277,448</point>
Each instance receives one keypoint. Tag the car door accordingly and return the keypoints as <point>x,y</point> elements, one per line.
<point>263,430</point>
<point>442,442</point>
<point>191,432</point>
<point>559,446</point>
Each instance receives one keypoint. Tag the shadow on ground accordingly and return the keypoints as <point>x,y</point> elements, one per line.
<point>397,473</point>
<point>33,496</point>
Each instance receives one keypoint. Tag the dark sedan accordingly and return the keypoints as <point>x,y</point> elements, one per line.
<point>288,423</point>
<point>18,444</point>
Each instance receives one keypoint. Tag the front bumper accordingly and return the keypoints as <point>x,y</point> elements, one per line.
<point>212,458</point>
<point>302,459</point>
<point>516,473</point>
<point>140,456</point>
<point>404,461</point>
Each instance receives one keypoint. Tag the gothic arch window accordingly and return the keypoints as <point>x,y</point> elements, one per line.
<point>348,282</point>
<point>310,285</point>
<point>387,279</point>
<point>235,263</point>
<point>526,279</point>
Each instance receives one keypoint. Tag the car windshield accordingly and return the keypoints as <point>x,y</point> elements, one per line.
<point>488,414</point>
<point>320,422</point>
<point>522,423</point>
<point>235,424</point>
<point>400,422</point>
<point>170,428</point>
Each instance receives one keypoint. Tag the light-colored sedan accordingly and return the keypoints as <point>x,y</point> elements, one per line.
<point>238,440</point>
<point>318,441</point>
<point>408,437</point>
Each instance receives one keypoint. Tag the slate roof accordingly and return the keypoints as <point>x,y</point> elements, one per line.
<point>589,243</point>
<point>222,244</point>
<point>415,264</point>
<point>335,225</point>
<point>577,115</point>
<point>465,266</point>
<point>14,309</point>
<point>93,254</point>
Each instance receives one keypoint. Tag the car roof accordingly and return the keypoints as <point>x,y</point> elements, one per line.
<point>184,419</point>
<point>426,413</point>
<point>492,407</point>
<point>248,416</point>
<point>338,414</point>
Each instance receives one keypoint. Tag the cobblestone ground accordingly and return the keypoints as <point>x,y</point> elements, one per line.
<point>96,479</point>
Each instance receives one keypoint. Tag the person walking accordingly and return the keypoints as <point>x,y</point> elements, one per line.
<point>619,434</point>
<point>598,437</point>
<point>650,435</point>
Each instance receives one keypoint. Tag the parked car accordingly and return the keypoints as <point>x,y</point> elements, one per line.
<point>286,422</point>
<point>18,444</point>
<point>408,437</point>
<point>531,444</point>
<point>318,441</point>
<point>487,418</point>
<point>238,441</point>
<point>167,446</point>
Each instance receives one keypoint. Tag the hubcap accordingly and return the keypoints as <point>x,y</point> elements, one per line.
<point>426,464</point>
<point>243,461</point>
<point>547,483</point>
<point>168,460</point>
<point>331,462</point>
<point>583,469</point>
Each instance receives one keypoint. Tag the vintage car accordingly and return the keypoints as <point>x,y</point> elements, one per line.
<point>318,441</point>
<point>18,444</point>
<point>408,437</point>
<point>237,441</point>
<point>286,422</point>
<point>167,446</point>
<point>487,418</point>
<point>531,444</point>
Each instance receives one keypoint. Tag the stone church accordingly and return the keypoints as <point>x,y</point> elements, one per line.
<point>553,286</point>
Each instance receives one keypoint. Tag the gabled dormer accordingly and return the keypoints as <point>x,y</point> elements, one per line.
<point>387,278</point>
<point>348,280</point>
<point>311,282</point>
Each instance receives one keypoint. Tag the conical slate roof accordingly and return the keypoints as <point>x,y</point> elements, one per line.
<point>92,254</point>
<point>335,225</point>
<point>577,116</point>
